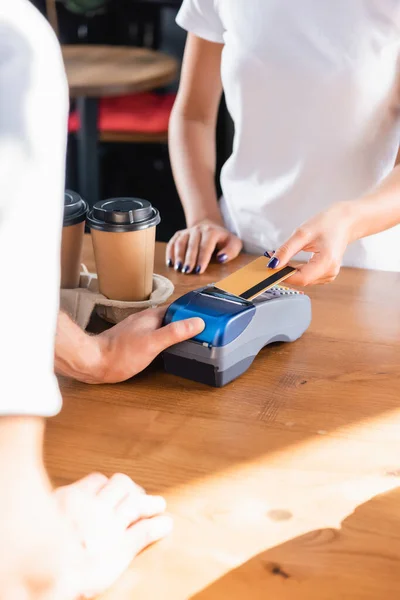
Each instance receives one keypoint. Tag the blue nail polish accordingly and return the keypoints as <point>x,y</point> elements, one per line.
<point>221,258</point>
<point>186,269</point>
<point>178,266</point>
<point>170,263</point>
<point>267,254</point>
<point>273,263</point>
<point>197,270</point>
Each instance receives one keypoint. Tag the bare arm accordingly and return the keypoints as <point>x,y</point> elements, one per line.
<point>193,157</point>
<point>192,130</point>
<point>328,234</point>
<point>77,354</point>
<point>379,210</point>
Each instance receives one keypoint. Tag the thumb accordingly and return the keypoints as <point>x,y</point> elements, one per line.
<point>229,248</point>
<point>178,331</point>
<point>289,249</point>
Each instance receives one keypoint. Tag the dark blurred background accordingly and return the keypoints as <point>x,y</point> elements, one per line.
<point>134,169</point>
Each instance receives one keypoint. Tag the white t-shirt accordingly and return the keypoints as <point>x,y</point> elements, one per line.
<point>313,90</point>
<point>33,130</point>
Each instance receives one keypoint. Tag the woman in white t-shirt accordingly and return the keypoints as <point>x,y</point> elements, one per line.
<point>313,90</point>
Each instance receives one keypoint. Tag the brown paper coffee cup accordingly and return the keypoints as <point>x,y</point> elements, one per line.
<point>124,233</point>
<point>75,210</point>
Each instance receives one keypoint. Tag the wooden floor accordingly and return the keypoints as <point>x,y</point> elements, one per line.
<point>285,485</point>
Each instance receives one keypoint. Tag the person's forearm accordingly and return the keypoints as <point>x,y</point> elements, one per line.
<point>193,158</point>
<point>77,354</point>
<point>21,442</point>
<point>377,211</point>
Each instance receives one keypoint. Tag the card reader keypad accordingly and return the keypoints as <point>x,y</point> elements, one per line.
<point>285,291</point>
<point>277,291</point>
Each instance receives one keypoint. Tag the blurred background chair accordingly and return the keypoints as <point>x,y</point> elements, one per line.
<point>133,129</point>
<point>136,118</point>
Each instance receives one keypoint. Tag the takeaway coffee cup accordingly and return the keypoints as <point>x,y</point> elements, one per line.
<point>124,233</point>
<point>75,210</point>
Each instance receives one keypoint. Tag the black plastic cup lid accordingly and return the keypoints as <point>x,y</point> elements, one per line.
<point>75,208</point>
<point>123,214</point>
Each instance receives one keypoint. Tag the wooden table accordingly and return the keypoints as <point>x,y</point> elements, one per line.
<point>285,484</point>
<point>98,71</point>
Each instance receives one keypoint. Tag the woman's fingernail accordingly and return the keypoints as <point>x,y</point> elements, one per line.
<point>197,270</point>
<point>170,263</point>
<point>178,266</point>
<point>186,269</point>
<point>222,258</point>
<point>273,263</point>
<point>267,254</point>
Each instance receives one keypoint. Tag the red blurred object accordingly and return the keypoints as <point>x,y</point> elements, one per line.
<point>140,113</point>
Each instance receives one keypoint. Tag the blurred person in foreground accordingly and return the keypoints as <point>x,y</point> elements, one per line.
<point>75,541</point>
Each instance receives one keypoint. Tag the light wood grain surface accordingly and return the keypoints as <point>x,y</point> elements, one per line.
<point>97,71</point>
<point>285,484</point>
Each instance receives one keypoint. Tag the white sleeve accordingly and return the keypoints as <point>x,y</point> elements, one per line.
<point>33,131</point>
<point>201,18</point>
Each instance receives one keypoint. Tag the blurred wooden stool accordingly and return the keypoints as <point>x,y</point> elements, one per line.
<point>115,99</point>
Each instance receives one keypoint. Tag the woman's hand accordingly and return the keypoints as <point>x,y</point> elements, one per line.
<point>190,250</point>
<point>326,236</point>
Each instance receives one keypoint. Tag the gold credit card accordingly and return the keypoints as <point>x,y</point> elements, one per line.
<point>254,279</point>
